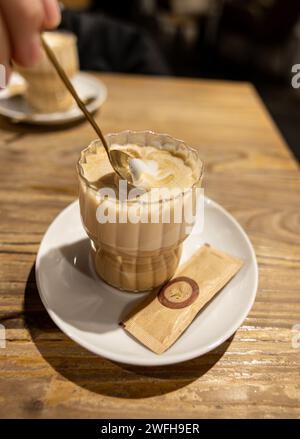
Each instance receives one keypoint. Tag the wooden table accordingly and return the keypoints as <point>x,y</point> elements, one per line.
<point>249,170</point>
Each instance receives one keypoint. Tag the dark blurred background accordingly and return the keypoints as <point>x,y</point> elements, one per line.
<point>248,40</point>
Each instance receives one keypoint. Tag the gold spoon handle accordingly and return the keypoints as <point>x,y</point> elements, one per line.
<point>73,92</point>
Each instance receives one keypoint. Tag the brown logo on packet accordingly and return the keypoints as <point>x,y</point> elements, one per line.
<point>179,292</point>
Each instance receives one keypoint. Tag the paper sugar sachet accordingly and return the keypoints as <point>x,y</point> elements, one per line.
<point>160,323</point>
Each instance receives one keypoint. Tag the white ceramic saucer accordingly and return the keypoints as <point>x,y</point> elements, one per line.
<point>15,107</point>
<point>88,310</point>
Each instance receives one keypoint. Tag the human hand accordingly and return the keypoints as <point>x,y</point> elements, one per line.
<point>21,22</point>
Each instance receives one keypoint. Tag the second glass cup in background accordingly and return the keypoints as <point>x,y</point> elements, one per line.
<point>45,91</point>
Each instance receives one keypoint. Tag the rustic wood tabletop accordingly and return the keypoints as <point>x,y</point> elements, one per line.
<point>249,170</point>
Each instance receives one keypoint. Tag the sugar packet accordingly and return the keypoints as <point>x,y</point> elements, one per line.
<point>159,321</point>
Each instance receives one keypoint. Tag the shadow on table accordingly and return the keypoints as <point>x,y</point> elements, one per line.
<point>102,376</point>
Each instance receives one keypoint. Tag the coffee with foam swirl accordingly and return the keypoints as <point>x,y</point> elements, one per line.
<point>152,167</point>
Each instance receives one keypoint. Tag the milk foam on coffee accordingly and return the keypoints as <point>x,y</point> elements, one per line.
<point>152,167</point>
<point>138,255</point>
<point>143,171</point>
<point>149,167</point>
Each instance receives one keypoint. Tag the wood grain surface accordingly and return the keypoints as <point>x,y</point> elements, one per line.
<point>249,170</point>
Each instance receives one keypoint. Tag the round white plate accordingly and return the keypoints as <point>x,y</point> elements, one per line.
<point>88,310</point>
<point>15,106</point>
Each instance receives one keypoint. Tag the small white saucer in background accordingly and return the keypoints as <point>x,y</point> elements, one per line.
<point>14,105</point>
<point>89,311</point>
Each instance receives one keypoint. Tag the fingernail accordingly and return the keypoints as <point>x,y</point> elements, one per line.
<point>52,13</point>
<point>2,76</point>
<point>34,51</point>
<point>5,72</point>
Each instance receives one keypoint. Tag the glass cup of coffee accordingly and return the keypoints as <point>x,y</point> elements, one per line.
<point>45,91</point>
<point>137,231</point>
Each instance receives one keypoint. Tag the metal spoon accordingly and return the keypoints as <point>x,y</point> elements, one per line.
<point>118,159</point>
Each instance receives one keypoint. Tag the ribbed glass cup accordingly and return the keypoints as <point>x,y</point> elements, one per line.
<point>45,91</point>
<point>138,256</point>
